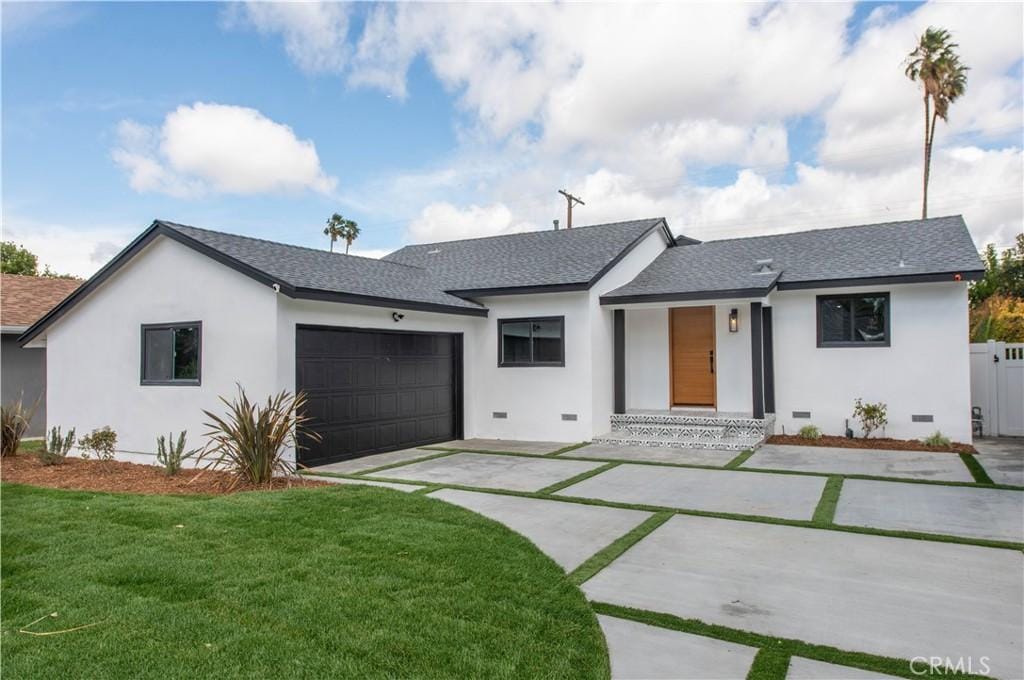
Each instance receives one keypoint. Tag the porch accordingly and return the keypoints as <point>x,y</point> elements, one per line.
<point>693,374</point>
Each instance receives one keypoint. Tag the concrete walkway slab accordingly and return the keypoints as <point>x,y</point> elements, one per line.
<point>946,467</point>
<point>367,482</point>
<point>569,533</point>
<point>875,594</point>
<point>808,669</point>
<point>655,454</point>
<point>641,652</point>
<point>490,471</point>
<point>357,465</point>
<point>506,445</point>
<point>747,493</point>
<point>1002,458</point>
<point>974,512</point>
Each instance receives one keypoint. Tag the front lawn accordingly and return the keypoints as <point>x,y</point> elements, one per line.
<point>333,582</point>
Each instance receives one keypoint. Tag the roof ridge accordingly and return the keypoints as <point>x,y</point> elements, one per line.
<point>172,225</point>
<point>820,229</point>
<point>653,220</point>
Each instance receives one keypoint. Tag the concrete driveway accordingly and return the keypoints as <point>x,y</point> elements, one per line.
<point>801,552</point>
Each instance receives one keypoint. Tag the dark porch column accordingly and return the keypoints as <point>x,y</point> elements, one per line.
<point>769,360</point>
<point>619,316</point>
<point>756,363</point>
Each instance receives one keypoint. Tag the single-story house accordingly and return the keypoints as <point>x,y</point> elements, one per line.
<point>622,332</point>
<point>23,301</point>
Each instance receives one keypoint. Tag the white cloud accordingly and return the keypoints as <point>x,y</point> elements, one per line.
<point>68,249</point>
<point>313,32</point>
<point>446,222</point>
<point>217,148</point>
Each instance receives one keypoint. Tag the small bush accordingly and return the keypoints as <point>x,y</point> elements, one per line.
<point>99,443</point>
<point>809,432</point>
<point>14,421</point>
<point>171,453</point>
<point>871,416</point>
<point>938,440</point>
<point>55,448</point>
<point>250,440</point>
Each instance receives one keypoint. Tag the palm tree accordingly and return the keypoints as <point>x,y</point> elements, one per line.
<point>935,63</point>
<point>338,227</point>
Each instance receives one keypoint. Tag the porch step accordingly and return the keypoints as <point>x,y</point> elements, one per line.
<point>673,431</point>
<point>731,425</point>
<point>724,443</point>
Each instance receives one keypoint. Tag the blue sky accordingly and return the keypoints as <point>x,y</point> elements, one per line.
<point>434,122</point>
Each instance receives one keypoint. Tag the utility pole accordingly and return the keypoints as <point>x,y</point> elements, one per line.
<point>570,201</point>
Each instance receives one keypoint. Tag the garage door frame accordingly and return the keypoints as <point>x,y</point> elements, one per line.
<point>458,373</point>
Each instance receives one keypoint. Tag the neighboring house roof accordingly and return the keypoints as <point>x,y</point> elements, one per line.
<point>25,299</point>
<point>411,278</point>
<point>934,249</point>
<point>536,261</point>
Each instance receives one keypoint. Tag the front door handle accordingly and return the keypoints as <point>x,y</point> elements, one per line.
<point>711,360</point>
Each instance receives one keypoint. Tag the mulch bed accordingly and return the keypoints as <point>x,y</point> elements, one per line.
<point>117,476</point>
<point>873,443</point>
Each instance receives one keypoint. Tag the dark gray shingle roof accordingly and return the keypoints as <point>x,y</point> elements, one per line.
<point>538,258</point>
<point>940,245</point>
<point>320,270</point>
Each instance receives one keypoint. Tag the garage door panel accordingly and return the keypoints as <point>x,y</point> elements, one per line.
<point>375,391</point>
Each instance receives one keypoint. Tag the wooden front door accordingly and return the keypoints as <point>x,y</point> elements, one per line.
<point>692,342</point>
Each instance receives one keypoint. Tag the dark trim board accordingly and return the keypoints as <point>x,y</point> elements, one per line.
<point>769,359</point>
<point>391,303</point>
<point>730,294</point>
<point>619,360</point>
<point>756,359</point>
<point>940,277</point>
<point>458,384</point>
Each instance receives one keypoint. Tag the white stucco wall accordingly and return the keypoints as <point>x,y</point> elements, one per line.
<point>925,370</point>
<point>94,352</point>
<point>602,328</point>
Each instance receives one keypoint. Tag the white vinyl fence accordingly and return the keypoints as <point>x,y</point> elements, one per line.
<point>997,386</point>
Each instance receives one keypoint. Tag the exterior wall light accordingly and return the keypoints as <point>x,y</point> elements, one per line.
<point>734,320</point>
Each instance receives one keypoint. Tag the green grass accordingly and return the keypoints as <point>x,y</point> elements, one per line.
<point>826,510</point>
<point>739,460</point>
<point>977,471</point>
<point>566,483</point>
<point>331,582</point>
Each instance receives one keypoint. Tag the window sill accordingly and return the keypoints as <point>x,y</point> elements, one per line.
<point>851,345</point>
<point>170,383</point>
<point>560,364</point>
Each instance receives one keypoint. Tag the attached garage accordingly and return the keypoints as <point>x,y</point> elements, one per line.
<point>372,391</point>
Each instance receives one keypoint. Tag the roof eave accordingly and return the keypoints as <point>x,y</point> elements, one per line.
<point>725,294</point>
<point>393,303</point>
<point>930,277</point>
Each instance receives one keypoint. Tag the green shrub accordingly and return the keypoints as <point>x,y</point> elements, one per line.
<point>55,448</point>
<point>809,432</point>
<point>937,440</point>
<point>171,453</point>
<point>14,421</point>
<point>99,443</point>
<point>871,416</point>
<point>250,440</point>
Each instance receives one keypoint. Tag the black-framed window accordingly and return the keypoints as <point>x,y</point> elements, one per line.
<point>538,341</point>
<point>172,353</point>
<point>859,320</point>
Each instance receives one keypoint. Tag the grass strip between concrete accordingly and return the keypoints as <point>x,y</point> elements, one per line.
<point>774,649</point>
<point>769,664</point>
<point>695,466</point>
<point>565,483</point>
<point>938,538</point>
<point>567,449</point>
<point>739,460</point>
<point>826,510</point>
<point>426,456</point>
<point>612,551</point>
<point>977,471</point>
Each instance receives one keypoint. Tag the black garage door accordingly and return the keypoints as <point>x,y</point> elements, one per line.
<point>375,391</point>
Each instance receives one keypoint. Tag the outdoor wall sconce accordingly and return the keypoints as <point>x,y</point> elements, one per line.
<point>734,320</point>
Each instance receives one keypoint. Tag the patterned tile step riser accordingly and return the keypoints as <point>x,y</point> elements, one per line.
<point>673,431</point>
<point>726,431</point>
<point>677,419</point>
<point>718,445</point>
